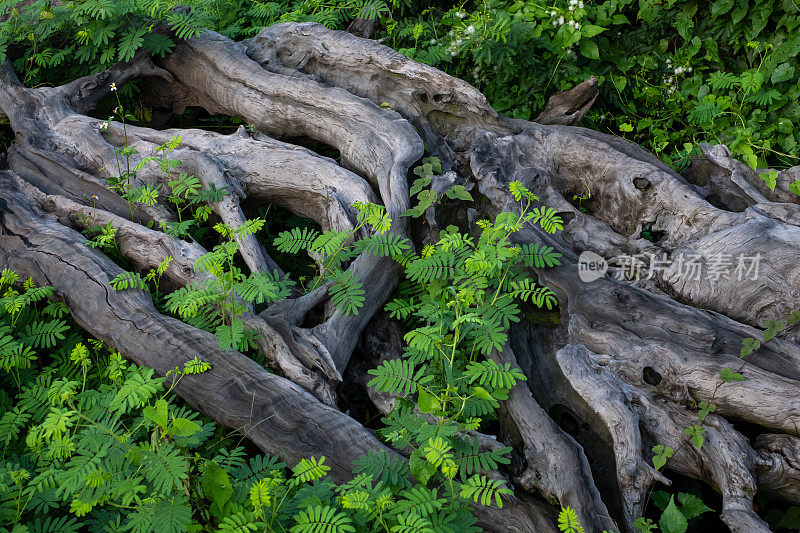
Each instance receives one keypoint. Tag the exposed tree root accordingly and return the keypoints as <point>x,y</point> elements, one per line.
<point>630,357</point>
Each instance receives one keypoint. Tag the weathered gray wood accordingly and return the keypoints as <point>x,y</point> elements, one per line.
<point>277,415</point>
<point>599,362</point>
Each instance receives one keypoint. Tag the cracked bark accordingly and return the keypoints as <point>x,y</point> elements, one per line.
<point>303,81</point>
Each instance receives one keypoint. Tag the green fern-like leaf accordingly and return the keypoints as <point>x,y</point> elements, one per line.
<point>187,301</point>
<point>383,245</point>
<point>330,242</point>
<point>250,227</point>
<point>519,191</point>
<point>470,460</point>
<point>322,519</point>
<point>230,336</point>
<point>310,469</point>
<point>296,239</point>
<point>347,293</point>
<point>397,375</point>
<point>195,366</point>
<point>427,269</point>
<point>131,42</point>
<point>546,217</point>
<point>239,522</point>
<point>490,337</point>
<point>722,80</point>
<point>44,334</point>
<point>165,469</point>
<point>401,309</point>
<point>127,280</point>
<point>568,521</point>
<point>420,501</point>
<point>139,387</point>
<point>489,373</point>
<point>526,290</point>
<point>412,523</point>
<point>484,490</point>
<point>11,423</point>
<point>392,470</point>
<point>173,515</point>
<point>539,256</point>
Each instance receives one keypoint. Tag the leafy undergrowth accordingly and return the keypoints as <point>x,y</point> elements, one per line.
<point>672,74</point>
<point>93,443</point>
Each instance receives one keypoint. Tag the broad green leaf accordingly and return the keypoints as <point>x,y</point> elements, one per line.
<point>672,519</point>
<point>590,30</point>
<point>420,467</point>
<point>589,49</point>
<point>183,427</point>
<point>428,403</point>
<point>749,346</point>
<point>216,485</point>
<point>692,506</point>
<point>157,414</point>
<point>727,375</point>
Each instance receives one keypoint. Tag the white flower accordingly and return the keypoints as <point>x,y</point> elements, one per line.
<point>461,14</point>
<point>104,126</point>
<point>453,53</point>
<point>433,41</point>
<point>580,5</point>
<point>573,3</point>
<point>689,69</point>
<point>113,86</point>
<point>555,23</point>
<point>553,14</point>
<point>561,20</point>
<point>470,30</point>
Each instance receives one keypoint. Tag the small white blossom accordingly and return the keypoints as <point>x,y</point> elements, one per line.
<point>433,41</point>
<point>555,23</point>
<point>580,4</point>
<point>470,30</point>
<point>561,20</point>
<point>113,86</point>
<point>461,14</point>
<point>104,126</point>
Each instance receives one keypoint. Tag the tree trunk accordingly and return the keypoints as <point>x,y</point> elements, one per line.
<point>628,360</point>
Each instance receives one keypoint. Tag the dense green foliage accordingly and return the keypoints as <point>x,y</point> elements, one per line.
<point>673,73</point>
<point>90,441</point>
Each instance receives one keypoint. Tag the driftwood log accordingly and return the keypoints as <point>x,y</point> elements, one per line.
<point>627,361</point>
